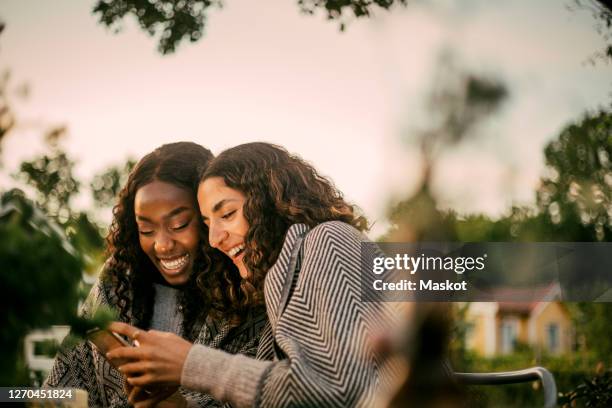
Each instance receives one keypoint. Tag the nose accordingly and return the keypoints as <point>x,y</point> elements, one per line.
<point>163,243</point>
<point>216,235</point>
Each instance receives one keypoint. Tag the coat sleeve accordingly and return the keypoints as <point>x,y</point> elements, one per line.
<point>324,333</point>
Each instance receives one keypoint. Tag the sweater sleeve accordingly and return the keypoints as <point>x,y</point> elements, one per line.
<point>323,332</point>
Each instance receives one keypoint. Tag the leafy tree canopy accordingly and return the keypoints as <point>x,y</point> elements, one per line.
<point>577,196</point>
<point>177,20</point>
<point>601,11</point>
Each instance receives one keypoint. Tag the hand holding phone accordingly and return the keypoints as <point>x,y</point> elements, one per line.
<point>105,341</point>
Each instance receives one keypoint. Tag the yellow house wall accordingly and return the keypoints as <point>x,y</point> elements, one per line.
<point>523,332</point>
<point>553,312</point>
<point>477,341</point>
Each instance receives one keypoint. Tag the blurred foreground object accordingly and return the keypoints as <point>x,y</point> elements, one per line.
<point>40,272</point>
<point>592,392</point>
<point>430,381</point>
<point>423,344</point>
<point>39,275</point>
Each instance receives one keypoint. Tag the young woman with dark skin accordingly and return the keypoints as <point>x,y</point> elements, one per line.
<point>297,246</point>
<point>157,248</point>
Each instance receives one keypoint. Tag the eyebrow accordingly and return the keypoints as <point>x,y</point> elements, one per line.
<point>171,214</point>
<point>219,205</point>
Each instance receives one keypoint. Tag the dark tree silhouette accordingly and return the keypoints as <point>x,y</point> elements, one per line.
<point>177,20</point>
<point>601,11</point>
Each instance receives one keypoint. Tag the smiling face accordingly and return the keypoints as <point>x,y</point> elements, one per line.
<point>221,209</point>
<point>168,229</point>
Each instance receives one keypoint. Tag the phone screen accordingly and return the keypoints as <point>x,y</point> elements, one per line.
<point>106,340</point>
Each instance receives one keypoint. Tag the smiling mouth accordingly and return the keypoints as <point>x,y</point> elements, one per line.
<point>174,264</point>
<point>235,251</point>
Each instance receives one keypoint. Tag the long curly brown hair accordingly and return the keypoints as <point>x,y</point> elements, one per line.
<point>129,270</point>
<point>280,189</point>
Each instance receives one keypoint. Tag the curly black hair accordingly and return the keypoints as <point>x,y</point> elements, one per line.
<point>280,189</point>
<point>128,268</point>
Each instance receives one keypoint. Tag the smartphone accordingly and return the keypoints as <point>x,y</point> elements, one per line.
<point>105,340</point>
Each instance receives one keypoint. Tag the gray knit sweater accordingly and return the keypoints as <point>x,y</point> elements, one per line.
<point>320,331</point>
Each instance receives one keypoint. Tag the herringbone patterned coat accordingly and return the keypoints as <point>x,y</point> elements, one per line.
<point>321,331</point>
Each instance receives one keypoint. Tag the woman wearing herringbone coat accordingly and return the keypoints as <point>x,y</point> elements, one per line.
<point>297,246</point>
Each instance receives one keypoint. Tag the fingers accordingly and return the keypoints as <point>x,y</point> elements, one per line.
<point>143,380</point>
<point>125,329</point>
<point>136,368</point>
<point>126,353</point>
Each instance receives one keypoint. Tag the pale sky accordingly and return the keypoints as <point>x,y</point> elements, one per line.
<point>349,102</point>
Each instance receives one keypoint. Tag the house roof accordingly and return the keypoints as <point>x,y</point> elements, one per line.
<point>523,300</point>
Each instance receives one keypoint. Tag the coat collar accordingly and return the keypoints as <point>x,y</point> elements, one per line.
<point>288,252</point>
<point>280,276</point>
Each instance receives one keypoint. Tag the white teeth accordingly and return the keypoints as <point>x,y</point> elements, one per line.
<point>176,263</point>
<point>232,252</point>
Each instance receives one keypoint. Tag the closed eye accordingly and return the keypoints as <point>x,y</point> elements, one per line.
<point>180,227</point>
<point>228,215</point>
<point>145,233</point>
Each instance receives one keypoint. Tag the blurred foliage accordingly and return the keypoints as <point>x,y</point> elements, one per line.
<point>7,92</point>
<point>419,219</point>
<point>7,95</point>
<point>593,329</point>
<point>7,118</point>
<point>577,196</point>
<point>51,175</point>
<point>40,268</point>
<point>46,348</point>
<point>592,392</point>
<point>601,10</point>
<point>106,186</point>
<point>177,20</point>
<point>574,202</point>
<point>173,20</point>
<point>459,102</point>
<point>39,274</point>
<point>339,9</point>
